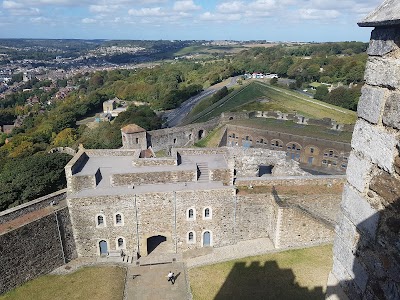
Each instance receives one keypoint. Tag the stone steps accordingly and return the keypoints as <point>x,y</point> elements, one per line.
<point>203,170</point>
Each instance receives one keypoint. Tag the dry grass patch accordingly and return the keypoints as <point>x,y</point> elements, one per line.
<point>294,274</point>
<point>91,283</point>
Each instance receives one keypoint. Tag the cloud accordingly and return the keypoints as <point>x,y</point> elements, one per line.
<point>89,21</point>
<point>318,14</point>
<point>220,18</point>
<point>103,8</point>
<point>147,12</point>
<point>186,6</point>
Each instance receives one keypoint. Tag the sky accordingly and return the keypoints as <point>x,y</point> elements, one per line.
<point>271,20</point>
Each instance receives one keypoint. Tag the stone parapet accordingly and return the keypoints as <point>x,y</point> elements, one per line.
<point>366,262</point>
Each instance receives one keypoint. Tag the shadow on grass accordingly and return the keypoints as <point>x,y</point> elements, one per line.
<point>264,282</point>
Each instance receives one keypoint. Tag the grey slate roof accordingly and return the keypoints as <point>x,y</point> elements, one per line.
<point>387,14</point>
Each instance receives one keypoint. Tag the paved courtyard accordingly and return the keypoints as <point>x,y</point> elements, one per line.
<point>151,283</point>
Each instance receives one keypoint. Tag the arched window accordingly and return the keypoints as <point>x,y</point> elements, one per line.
<point>120,243</point>
<point>191,237</point>
<point>100,220</point>
<point>118,219</point>
<point>191,214</point>
<point>207,213</point>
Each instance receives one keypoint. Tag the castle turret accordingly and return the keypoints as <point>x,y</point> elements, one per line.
<point>134,137</point>
<point>366,262</point>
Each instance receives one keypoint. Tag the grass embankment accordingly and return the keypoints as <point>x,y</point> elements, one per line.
<point>263,97</point>
<point>212,139</point>
<point>87,283</point>
<point>295,274</point>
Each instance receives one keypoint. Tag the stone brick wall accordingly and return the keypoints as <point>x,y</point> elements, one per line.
<point>298,229</point>
<point>255,217</point>
<point>78,183</point>
<point>87,235</point>
<point>151,214</point>
<point>223,175</point>
<point>165,139</point>
<point>291,180</point>
<point>310,152</point>
<point>366,249</point>
<point>35,249</point>
<point>149,162</point>
<point>31,206</point>
<point>154,177</point>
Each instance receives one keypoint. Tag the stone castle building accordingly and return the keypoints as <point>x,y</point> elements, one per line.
<point>119,200</point>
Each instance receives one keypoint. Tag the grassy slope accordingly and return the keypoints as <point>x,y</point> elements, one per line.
<point>295,274</point>
<point>87,283</point>
<point>279,99</point>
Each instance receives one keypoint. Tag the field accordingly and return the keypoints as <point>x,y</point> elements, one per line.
<point>260,96</point>
<point>295,274</point>
<point>87,283</point>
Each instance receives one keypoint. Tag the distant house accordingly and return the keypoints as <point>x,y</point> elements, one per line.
<point>7,128</point>
<point>110,107</point>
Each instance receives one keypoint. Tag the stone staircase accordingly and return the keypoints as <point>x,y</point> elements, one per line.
<point>202,168</point>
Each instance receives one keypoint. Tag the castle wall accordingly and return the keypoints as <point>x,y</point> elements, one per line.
<point>179,136</point>
<point>154,177</point>
<point>311,152</point>
<point>299,229</point>
<point>35,248</point>
<point>366,249</point>
<point>162,214</point>
<point>88,235</point>
<point>255,217</point>
<point>31,206</point>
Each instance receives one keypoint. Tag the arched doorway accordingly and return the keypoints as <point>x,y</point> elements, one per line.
<point>154,241</point>
<point>206,239</point>
<point>103,248</point>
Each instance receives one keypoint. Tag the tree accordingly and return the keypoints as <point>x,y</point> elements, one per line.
<point>321,92</point>
<point>25,179</point>
<point>273,81</point>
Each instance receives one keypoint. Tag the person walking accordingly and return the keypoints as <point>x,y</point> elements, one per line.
<point>171,277</point>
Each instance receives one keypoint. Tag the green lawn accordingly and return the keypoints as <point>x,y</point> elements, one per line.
<point>260,96</point>
<point>296,274</point>
<point>92,283</point>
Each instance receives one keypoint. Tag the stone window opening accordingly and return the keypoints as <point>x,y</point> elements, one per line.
<point>100,221</point>
<point>118,219</point>
<point>191,237</point>
<point>191,214</point>
<point>311,150</point>
<point>137,141</point>
<point>175,141</point>
<point>120,243</point>
<point>207,213</point>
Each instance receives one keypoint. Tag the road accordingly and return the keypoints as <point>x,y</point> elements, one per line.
<point>175,117</point>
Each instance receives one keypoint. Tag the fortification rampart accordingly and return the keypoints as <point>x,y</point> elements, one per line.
<point>32,206</point>
<point>327,180</point>
<point>35,248</point>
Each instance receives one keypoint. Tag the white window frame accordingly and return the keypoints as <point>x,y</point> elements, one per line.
<point>97,222</point>
<point>115,219</point>
<point>194,214</point>
<point>194,237</point>
<point>209,215</point>
<point>123,247</point>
